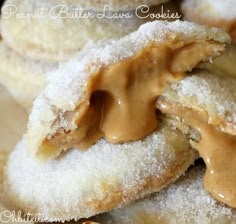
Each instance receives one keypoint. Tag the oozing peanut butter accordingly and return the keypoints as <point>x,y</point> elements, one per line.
<point>119,102</point>
<point>217,149</point>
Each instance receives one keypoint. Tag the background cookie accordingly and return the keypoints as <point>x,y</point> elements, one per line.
<point>56,36</point>
<point>215,13</point>
<point>23,77</point>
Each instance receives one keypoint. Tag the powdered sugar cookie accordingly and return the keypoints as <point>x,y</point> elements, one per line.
<point>81,184</point>
<point>206,104</point>
<point>96,128</point>
<point>108,80</point>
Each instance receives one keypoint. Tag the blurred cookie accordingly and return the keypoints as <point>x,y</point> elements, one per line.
<point>215,13</point>
<point>61,30</point>
<point>23,77</point>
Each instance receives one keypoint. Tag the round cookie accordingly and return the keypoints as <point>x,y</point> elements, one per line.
<point>23,77</point>
<point>52,35</point>
<point>215,13</point>
<point>81,184</point>
<point>67,101</point>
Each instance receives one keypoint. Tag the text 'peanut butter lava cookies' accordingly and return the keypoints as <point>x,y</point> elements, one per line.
<point>96,127</point>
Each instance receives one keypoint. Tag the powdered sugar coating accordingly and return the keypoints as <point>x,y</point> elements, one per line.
<point>67,84</point>
<point>185,201</point>
<point>106,175</point>
<point>69,80</point>
<point>214,93</point>
<point>216,9</point>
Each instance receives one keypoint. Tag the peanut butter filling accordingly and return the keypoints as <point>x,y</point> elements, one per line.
<point>215,147</point>
<point>119,102</point>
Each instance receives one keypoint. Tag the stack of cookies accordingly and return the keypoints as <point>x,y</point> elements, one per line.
<point>121,120</point>
<point>38,35</point>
